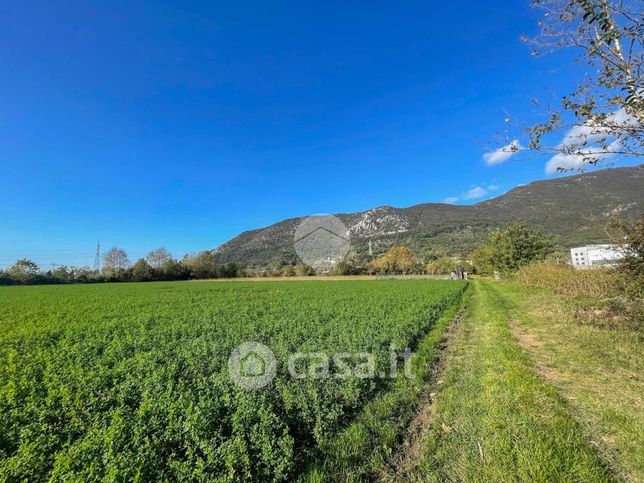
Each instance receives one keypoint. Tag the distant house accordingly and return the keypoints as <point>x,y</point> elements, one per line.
<point>594,256</point>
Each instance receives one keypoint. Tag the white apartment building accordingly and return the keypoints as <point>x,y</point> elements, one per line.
<point>593,256</point>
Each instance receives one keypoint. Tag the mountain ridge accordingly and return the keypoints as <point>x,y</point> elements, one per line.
<point>571,209</point>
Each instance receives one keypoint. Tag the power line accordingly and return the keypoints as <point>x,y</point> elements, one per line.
<point>97,258</point>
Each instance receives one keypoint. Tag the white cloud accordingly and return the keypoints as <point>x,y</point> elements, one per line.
<point>502,154</point>
<point>564,161</point>
<point>473,193</point>
<point>588,142</point>
<point>582,157</point>
<point>589,132</point>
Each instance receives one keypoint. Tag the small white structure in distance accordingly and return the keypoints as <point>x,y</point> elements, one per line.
<point>595,256</point>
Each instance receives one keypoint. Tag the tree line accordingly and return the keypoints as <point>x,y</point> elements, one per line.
<point>505,251</point>
<point>157,265</point>
<point>160,265</point>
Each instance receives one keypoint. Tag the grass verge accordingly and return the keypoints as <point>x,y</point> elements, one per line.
<point>495,418</point>
<point>598,369</point>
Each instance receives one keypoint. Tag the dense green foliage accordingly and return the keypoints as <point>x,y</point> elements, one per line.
<point>507,250</point>
<point>130,381</point>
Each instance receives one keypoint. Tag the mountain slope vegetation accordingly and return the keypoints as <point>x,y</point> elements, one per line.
<point>573,209</point>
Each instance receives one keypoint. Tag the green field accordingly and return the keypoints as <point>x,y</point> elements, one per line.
<point>120,382</point>
<point>124,382</point>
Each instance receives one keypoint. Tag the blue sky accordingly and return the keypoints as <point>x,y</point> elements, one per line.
<point>183,123</point>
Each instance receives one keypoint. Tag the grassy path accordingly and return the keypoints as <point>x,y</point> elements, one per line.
<point>495,418</point>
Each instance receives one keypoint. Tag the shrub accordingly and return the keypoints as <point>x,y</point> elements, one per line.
<point>631,239</point>
<point>399,259</point>
<point>441,266</point>
<point>510,249</point>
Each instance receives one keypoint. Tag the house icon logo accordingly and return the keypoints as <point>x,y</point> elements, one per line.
<point>252,365</point>
<point>321,241</point>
